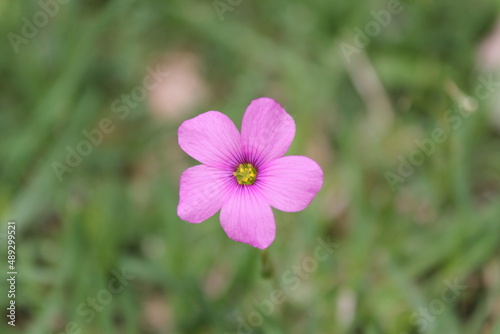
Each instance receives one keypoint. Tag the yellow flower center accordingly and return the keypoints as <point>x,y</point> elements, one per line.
<point>245,174</point>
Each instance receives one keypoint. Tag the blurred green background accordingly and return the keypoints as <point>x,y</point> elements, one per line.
<point>400,244</point>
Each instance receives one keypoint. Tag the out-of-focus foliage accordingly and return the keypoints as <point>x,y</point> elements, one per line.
<point>401,242</point>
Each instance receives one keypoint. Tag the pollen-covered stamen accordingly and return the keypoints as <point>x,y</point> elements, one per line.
<point>245,174</point>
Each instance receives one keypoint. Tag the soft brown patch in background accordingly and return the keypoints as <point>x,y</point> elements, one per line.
<point>157,314</point>
<point>488,61</point>
<point>489,50</point>
<point>182,90</point>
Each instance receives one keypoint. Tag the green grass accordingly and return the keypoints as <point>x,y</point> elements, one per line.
<point>117,208</point>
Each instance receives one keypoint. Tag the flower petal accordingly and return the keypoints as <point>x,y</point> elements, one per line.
<point>290,183</point>
<point>212,139</point>
<point>248,218</point>
<point>267,131</point>
<point>203,192</point>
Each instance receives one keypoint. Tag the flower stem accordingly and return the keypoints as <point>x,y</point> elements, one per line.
<point>267,266</point>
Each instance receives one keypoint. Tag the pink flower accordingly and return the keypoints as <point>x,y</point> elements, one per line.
<point>244,175</point>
